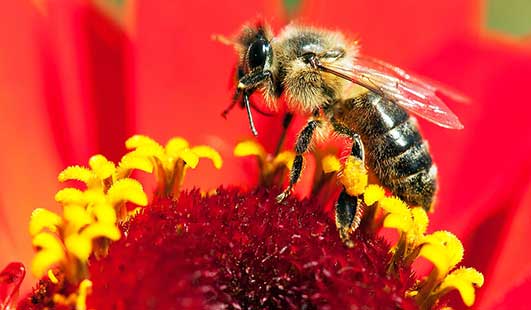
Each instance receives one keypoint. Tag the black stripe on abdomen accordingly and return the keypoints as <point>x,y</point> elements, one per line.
<point>402,162</point>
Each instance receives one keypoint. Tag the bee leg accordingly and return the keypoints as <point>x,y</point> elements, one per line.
<point>346,209</point>
<point>357,148</point>
<point>349,209</point>
<point>246,85</point>
<point>303,142</point>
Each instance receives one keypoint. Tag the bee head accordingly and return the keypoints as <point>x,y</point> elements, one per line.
<point>255,48</point>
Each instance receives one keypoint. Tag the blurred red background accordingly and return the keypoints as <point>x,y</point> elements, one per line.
<point>79,77</point>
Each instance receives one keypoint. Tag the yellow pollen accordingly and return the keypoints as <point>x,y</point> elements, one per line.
<point>52,277</point>
<point>373,193</point>
<point>269,165</point>
<point>354,176</point>
<point>331,164</point>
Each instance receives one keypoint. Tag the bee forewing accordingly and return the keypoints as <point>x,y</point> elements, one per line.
<point>430,84</point>
<point>415,94</point>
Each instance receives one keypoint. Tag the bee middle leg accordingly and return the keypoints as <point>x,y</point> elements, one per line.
<point>349,209</point>
<point>301,146</point>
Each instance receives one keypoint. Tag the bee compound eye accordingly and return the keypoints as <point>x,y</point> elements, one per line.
<point>257,53</point>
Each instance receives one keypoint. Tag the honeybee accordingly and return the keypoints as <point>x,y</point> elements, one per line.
<point>314,71</point>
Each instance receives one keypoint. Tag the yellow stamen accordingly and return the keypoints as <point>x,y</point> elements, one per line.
<point>132,161</point>
<point>127,190</point>
<point>204,151</point>
<point>443,249</point>
<point>330,164</point>
<point>101,166</point>
<point>43,219</point>
<point>79,246</point>
<point>170,163</point>
<point>99,230</point>
<point>249,148</point>
<point>138,141</point>
<point>79,173</point>
<point>188,156</point>
<point>105,213</point>
<point>84,290</point>
<point>70,195</point>
<point>52,277</point>
<point>77,217</point>
<point>49,252</point>
<point>398,215</point>
<point>373,193</point>
<point>465,280</point>
<point>283,159</point>
<point>175,145</point>
<point>419,226</point>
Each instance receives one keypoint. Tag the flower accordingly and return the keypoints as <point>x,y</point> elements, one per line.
<point>228,248</point>
<point>83,95</point>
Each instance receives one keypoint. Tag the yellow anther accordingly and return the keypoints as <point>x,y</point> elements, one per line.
<point>190,158</point>
<point>79,173</point>
<point>402,222</point>
<point>77,217</point>
<point>330,164</point>
<point>167,162</point>
<point>101,166</point>
<point>204,151</point>
<point>373,193</point>
<point>105,213</point>
<point>420,224</point>
<point>127,190</point>
<point>132,161</point>
<point>98,230</point>
<point>398,214</point>
<point>49,252</point>
<point>465,280</point>
<point>70,195</point>
<point>43,219</point>
<point>443,249</point>
<point>79,246</point>
<point>94,197</point>
<point>137,141</point>
<point>84,290</point>
<point>249,148</point>
<point>52,277</point>
<point>175,145</point>
<point>394,205</point>
<point>284,158</point>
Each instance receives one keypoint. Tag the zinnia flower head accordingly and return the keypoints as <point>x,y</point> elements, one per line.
<point>229,247</point>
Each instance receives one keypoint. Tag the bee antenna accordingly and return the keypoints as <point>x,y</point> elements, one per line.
<point>223,39</point>
<point>249,115</point>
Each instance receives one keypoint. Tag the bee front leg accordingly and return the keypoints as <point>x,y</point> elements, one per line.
<point>349,209</point>
<point>303,142</point>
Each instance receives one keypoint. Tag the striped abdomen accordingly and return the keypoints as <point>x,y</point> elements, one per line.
<point>394,148</point>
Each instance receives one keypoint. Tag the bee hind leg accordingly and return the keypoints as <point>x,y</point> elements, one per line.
<point>349,209</point>
<point>348,216</point>
<point>301,146</point>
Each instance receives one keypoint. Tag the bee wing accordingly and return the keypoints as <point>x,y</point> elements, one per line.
<point>416,94</point>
